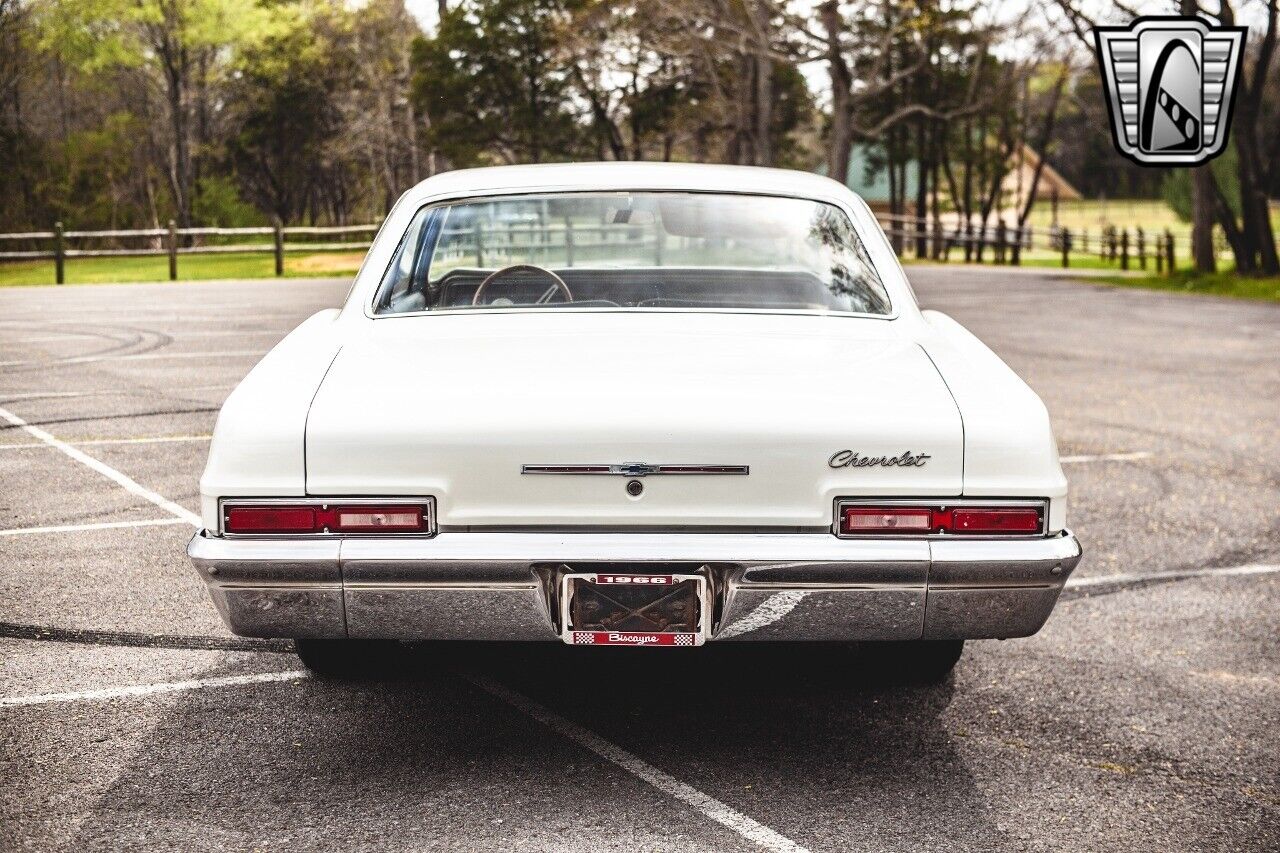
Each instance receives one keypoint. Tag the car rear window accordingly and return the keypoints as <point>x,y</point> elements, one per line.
<point>635,250</point>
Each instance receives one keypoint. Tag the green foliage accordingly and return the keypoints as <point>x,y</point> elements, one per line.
<point>284,114</point>
<point>793,108</point>
<point>495,81</point>
<point>100,34</point>
<point>218,203</point>
<point>91,173</point>
<point>1177,184</point>
<point>1215,284</point>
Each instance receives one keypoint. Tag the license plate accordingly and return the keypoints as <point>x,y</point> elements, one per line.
<point>626,608</point>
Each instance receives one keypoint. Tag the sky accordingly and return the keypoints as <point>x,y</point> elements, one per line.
<point>424,11</point>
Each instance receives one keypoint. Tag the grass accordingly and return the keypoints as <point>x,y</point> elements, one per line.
<point>112,270</point>
<point>1216,284</point>
<point>1041,260</point>
<point>1151,215</point>
<point>1092,215</point>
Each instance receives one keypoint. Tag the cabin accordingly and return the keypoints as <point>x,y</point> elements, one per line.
<point>869,179</point>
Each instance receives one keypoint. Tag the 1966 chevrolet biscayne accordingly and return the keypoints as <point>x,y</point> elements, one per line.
<point>640,405</point>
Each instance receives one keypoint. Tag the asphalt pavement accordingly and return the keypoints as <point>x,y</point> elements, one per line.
<point>1144,716</point>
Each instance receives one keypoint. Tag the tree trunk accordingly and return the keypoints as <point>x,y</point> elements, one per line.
<point>764,110</point>
<point>841,137</point>
<point>1255,212</point>
<point>1202,195</point>
<point>1042,143</point>
<point>410,116</point>
<point>922,188</point>
<point>1202,192</point>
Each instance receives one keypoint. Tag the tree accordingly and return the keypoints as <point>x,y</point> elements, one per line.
<point>177,44</point>
<point>284,118</point>
<point>1253,242</point>
<point>496,81</point>
<point>1251,236</point>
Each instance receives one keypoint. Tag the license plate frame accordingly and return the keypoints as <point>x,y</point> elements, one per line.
<point>632,578</point>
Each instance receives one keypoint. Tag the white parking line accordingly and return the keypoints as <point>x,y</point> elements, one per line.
<point>1107,457</point>
<point>1139,577</point>
<point>145,439</point>
<point>707,805</point>
<point>151,689</point>
<point>130,485</point>
<point>102,525</point>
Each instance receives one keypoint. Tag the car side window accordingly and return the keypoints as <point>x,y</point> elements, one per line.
<point>402,285</point>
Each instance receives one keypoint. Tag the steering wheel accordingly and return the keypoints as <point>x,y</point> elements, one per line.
<point>557,283</point>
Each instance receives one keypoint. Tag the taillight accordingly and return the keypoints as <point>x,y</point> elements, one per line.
<point>858,519</point>
<point>327,518</point>
<point>378,519</point>
<point>1001,520</point>
<point>870,520</point>
<point>272,519</point>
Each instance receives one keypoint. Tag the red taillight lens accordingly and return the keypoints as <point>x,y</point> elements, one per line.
<point>889,519</point>
<point>273,519</point>
<point>995,520</point>
<point>337,518</point>
<point>924,520</point>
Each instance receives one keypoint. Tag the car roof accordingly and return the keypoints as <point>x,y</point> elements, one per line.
<point>618,176</point>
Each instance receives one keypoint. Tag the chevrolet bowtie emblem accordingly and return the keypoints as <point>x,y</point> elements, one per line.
<point>1170,85</point>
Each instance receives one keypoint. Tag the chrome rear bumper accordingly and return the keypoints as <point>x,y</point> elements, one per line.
<point>503,586</point>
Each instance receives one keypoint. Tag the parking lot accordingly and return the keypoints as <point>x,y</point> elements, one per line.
<point>1144,716</point>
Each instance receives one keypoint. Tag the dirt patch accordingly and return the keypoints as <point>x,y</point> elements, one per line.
<point>326,262</point>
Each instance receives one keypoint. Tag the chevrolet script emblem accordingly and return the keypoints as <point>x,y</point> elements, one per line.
<point>1170,85</point>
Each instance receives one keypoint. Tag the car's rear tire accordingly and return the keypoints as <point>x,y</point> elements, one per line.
<point>346,659</point>
<point>914,661</point>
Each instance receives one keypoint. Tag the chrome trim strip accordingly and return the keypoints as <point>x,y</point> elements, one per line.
<point>634,469</point>
<point>829,586</point>
<point>280,584</point>
<point>437,585</point>
<point>954,501</point>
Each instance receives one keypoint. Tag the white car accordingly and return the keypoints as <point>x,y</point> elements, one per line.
<point>638,405</point>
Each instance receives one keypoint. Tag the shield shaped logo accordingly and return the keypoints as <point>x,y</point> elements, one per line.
<point>1170,85</point>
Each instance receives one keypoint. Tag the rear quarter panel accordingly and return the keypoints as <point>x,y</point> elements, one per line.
<point>1009,447</point>
<point>258,442</point>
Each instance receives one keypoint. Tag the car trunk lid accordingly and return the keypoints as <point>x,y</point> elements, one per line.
<point>456,406</point>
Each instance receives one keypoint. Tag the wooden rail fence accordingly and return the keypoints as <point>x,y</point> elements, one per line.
<point>998,243</point>
<point>174,242</point>
<point>938,240</point>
